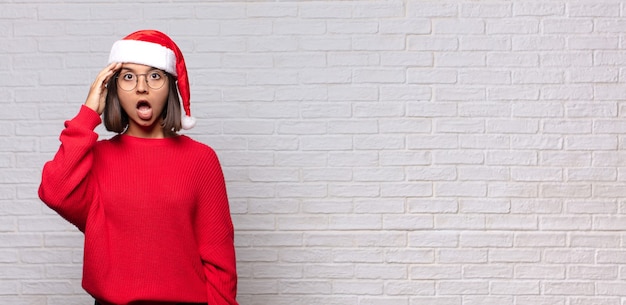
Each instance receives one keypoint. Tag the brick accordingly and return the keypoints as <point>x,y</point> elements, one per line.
<point>488,271</point>
<point>358,256</point>
<point>512,26</point>
<point>492,77</point>
<point>461,189</point>
<point>363,271</point>
<point>494,10</point>
<point>593,43</point>
<point>540,239</point>
<point>287,223</point>
<point>599,9</point>
<point>9,287</point>
<point>484,206</point>
<point>361,222</point>
<point>541,300</point>
<point>290,60</point>
<point>540,271</point>
<point>486,110</point>
<point>431,174</point>
<point>431,9</point>
<point>352,59</point>
<point>568,288</point>
<point>489,300</point>
<point>379,43</point>
<point>385,76</point>
<point>569,256</point>
<point>432,43</point>
<point>63,240</point>
<point>599,174</point>
<point>610,26</point>
<point>461,59</point>
<point>455,287</point>
<point>384,300</point>
<point>570,223</point>
<point>539,9</point>
<point>600,273</point>
<point>567,26</point>
<point>484,142</point>
<point>506,59</point>
<point>478,240</point>
<point>432,206</point>
<point>319,111</point>
<point>511,222</point>
<point>531,76</point>
<point>516,255</point>
<point>485,43</point>
<point>321,10</point>
<point>407,222</point>
<point>357,287</point>
<point>520,287</point>
<point>299,190</point>
<point>327,174</point>
<point>512,190</point>
<point>458,94</point>
<point>316,43</point>
<point>567,59</point>
<point>405,26</point>
<point>46,287</point>
<point>410,288</point>
<point>384,9</point>
<point>264,10</point>
<point>458,26</point>
<point>468,222</point>
<point>284,143</point>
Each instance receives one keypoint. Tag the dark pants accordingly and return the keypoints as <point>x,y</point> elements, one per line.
<point>96,303</point>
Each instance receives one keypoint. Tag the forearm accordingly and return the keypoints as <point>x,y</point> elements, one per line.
<point>65,185</point>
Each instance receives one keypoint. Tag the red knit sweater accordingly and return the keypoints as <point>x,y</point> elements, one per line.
<point>154,213</point>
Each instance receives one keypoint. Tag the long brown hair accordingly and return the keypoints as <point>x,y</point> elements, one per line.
<point>116,120</point>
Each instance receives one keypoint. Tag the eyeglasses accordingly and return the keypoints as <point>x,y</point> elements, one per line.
<point>127,81</point>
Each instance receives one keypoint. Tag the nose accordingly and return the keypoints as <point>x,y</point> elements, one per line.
<point>142,85</point>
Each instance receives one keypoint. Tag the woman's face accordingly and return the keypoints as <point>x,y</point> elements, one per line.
<point>143,91</point>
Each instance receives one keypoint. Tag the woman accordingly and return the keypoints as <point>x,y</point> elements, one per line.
<point>151,203</point>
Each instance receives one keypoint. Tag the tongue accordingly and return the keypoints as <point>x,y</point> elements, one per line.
<point>144,112</point>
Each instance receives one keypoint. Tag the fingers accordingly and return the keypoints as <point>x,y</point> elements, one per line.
<point>105,75</point>
<point>97,94</point>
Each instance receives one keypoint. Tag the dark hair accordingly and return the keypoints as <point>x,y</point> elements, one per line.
<point>116,120</point>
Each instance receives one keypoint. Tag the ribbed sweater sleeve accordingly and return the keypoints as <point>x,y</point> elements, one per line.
<point>215,235</point>
<point>65,183</point>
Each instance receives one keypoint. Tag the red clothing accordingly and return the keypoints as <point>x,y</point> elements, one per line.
<point>154,213</point>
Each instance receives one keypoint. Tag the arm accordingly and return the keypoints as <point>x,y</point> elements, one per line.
<point>65,185</point>
<point>215,235</point>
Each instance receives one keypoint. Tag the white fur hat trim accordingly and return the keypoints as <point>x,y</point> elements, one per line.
<point>145,53</point>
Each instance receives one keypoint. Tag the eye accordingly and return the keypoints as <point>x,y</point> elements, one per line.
<point>128,76</point>
<point>156,75</point>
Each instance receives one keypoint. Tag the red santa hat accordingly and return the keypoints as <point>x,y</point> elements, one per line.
<point>155,49</point>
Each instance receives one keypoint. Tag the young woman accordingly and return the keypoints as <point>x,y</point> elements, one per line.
<point>151,203</point>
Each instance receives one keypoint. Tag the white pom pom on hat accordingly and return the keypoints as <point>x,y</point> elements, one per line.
<point>155,49</point>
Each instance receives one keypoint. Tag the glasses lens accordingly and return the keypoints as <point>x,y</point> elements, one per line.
<point>155,79</point>
<point>128,81</point>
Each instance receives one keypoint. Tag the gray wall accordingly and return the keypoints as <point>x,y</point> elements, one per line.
<point>376,152</point>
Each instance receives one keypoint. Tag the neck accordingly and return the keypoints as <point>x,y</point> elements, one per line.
<point>154,131</point>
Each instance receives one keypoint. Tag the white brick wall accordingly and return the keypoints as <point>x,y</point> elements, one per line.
<point>376,152</point>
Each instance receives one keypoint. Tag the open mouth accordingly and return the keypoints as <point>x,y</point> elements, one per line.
<point>144,110</point>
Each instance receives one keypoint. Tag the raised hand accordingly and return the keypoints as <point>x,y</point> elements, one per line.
<point>98,91</point>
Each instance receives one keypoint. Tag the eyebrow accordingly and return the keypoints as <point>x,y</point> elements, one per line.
<point>135,71</point>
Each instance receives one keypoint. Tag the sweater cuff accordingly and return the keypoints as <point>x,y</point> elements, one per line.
<point>87,117</point>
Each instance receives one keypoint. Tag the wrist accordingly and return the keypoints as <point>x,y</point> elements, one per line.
<point>93,106</point>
